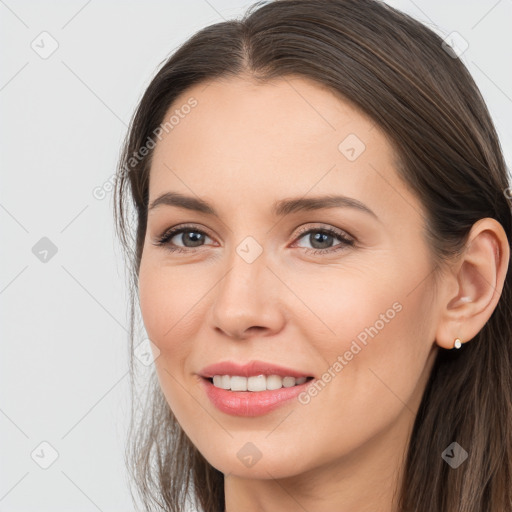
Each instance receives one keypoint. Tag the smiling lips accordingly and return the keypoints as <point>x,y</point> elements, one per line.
<point>255,383</point>
<point>251,389</point>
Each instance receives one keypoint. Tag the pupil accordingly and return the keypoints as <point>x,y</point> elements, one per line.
<point>194,237</point>
<point>320,235</point>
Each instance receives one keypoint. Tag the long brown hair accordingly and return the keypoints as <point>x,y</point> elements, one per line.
<point>399,73</point>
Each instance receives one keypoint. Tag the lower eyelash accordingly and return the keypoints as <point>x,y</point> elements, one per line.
<point>345,242</point>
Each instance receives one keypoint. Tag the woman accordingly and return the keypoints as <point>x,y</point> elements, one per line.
<point>321,257</point>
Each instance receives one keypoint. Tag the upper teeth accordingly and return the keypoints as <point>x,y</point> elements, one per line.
<point>257,383</point>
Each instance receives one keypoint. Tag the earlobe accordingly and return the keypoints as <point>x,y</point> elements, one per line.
<point>475,285</point>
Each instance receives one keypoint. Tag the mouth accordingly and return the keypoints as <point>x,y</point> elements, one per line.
<point>236,395</point>
<point>256,383</point>
<point>253,388</point>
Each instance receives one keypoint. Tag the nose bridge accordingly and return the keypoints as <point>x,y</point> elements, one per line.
<point>243,297</point>
<point>246,268</point>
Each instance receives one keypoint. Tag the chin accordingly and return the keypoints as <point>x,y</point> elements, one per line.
<point>251,462</point>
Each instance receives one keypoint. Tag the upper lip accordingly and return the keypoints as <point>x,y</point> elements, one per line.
<point>250,369</point>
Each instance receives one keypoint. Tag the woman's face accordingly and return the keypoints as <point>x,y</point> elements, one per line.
<point>258,281</point>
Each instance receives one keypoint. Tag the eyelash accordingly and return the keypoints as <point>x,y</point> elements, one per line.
<point>164,240</point>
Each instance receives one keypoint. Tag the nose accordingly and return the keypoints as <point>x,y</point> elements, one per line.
<point>248,300</point>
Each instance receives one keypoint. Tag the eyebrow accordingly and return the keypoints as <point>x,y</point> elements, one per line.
<point>279,208</point>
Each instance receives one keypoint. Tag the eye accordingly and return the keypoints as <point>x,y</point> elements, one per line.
<point>321,239</point>
<point>190,236</point>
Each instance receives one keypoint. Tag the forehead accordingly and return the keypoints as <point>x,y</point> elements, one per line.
<point>281,138</point>
<point>288,115</point>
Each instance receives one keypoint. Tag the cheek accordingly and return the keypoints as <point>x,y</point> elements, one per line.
<point>155,304</point>
<point>341,302</point>
<point>170,319</point>
<point>170,301</point>
<point>376,333</point>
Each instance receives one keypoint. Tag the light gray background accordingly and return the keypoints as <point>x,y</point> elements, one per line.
<point>64,360</point>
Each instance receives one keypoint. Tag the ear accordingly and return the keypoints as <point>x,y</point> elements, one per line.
<point>474,284</point>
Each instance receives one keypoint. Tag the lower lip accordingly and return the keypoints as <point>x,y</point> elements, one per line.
<point>251,403</point>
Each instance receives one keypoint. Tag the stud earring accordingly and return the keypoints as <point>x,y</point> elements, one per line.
<point>457,343</point>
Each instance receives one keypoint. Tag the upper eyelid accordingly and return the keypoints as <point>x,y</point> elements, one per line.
<point>338,231</point>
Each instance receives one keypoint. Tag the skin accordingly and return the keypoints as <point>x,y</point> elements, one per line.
<point>243,147</point>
